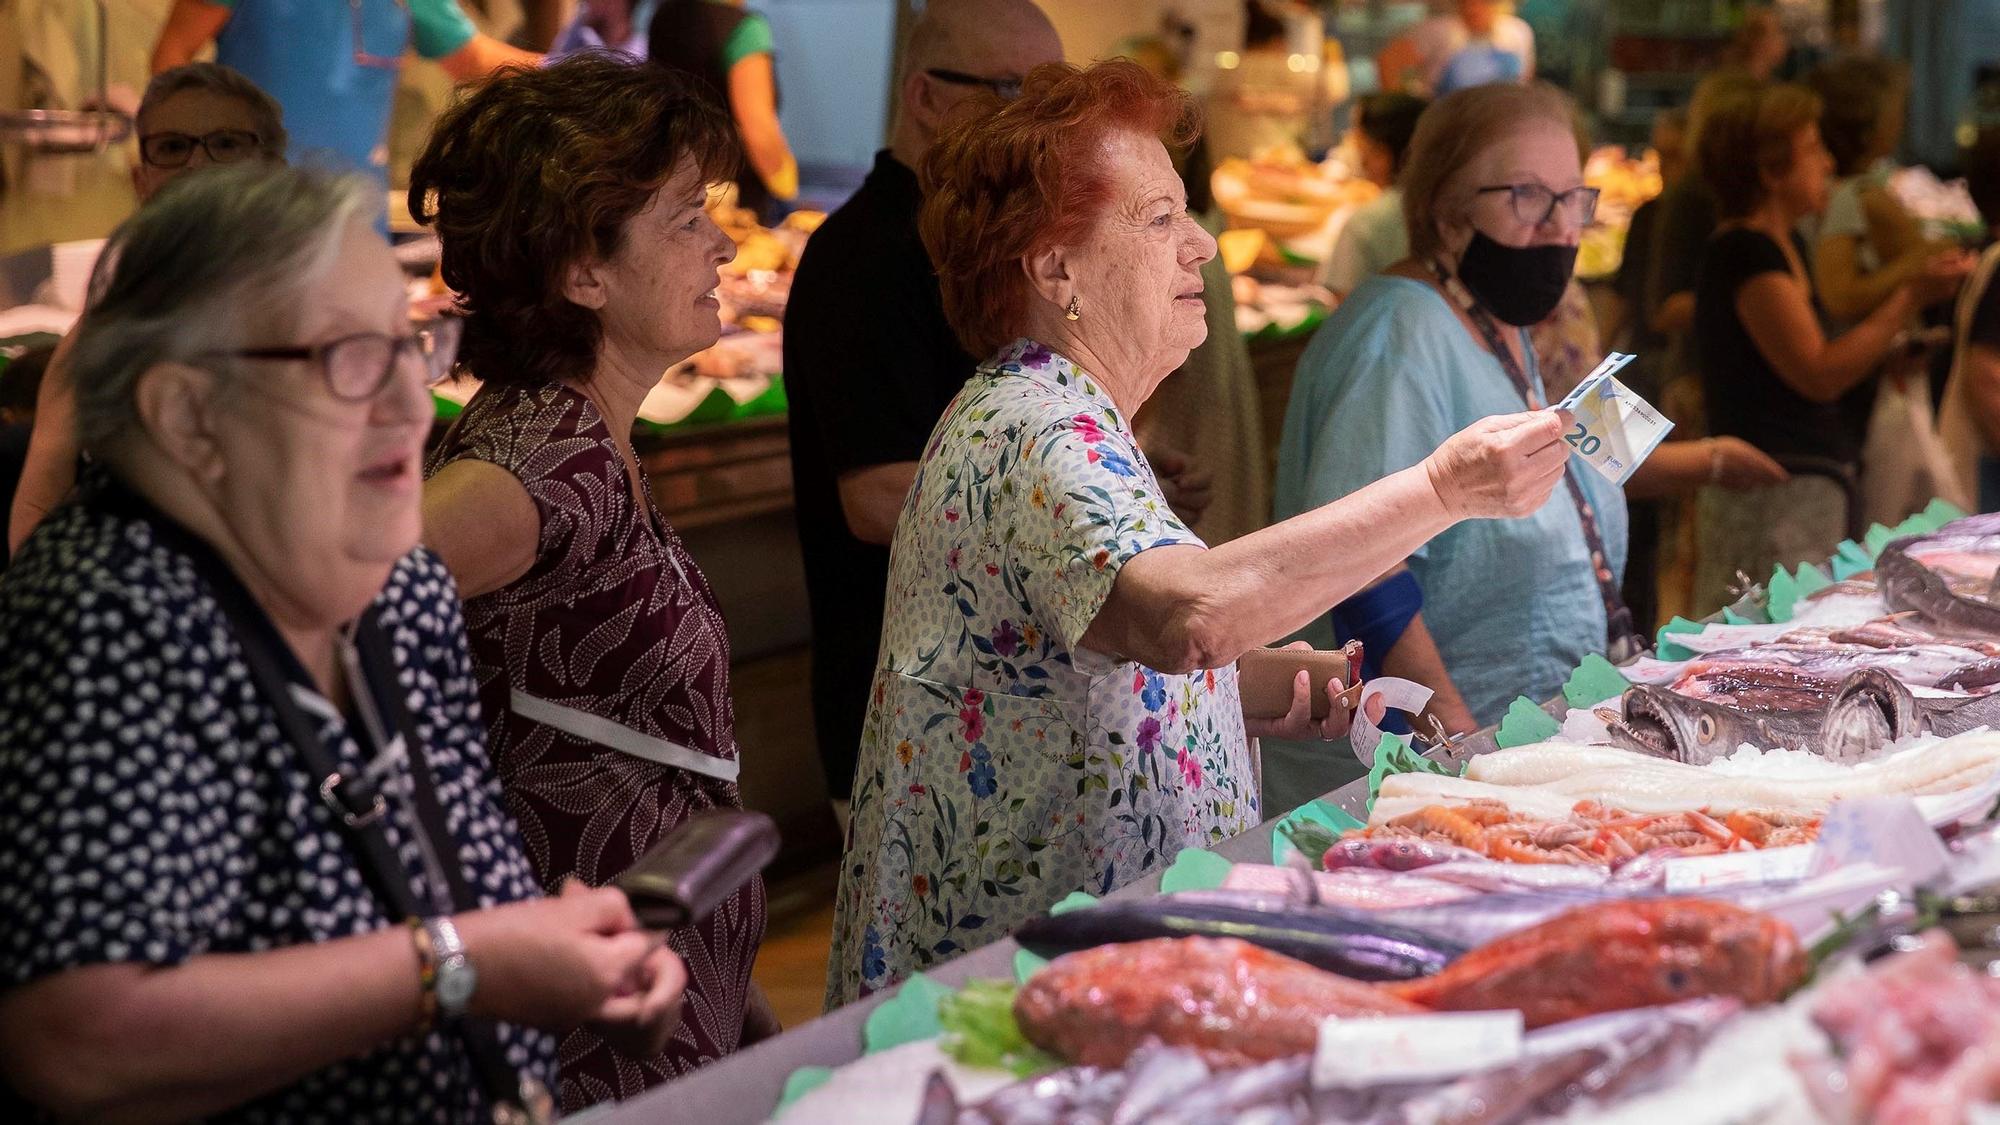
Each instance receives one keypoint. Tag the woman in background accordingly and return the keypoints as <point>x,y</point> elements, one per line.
<point>731,51</point>
<point>1869,244</point>
<point>1376,236</point>
<point>1771,376</point>
<point>1969,419</point>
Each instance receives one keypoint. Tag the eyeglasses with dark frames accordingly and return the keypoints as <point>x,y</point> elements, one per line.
<point>1535,204</point>
<point>356,368</point>
<point>1008,88</point>
<point>224,146</point>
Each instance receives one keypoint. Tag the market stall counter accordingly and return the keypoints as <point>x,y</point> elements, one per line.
<point>1653,898</point>
<point>750,1085</point>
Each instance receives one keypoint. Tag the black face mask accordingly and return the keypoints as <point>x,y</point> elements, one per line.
<point>1521,285</point>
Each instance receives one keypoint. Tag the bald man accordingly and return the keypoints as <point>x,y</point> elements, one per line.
<point>870,363</point>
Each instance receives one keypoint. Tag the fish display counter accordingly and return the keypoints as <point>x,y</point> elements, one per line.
<point>1751,875</point>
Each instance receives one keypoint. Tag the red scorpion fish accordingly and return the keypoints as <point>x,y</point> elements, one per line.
<point>1612,956</point>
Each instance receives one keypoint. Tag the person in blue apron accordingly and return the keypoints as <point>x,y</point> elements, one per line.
<point>332,64</point>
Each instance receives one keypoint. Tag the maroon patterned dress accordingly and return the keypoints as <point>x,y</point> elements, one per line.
<point>604,677</point>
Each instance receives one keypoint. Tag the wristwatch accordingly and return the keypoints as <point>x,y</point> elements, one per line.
<point>456,978</point>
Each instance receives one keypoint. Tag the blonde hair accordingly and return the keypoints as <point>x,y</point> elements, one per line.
<point>1455,131</point>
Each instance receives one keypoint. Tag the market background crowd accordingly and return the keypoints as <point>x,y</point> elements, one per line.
<point>1039,514</point>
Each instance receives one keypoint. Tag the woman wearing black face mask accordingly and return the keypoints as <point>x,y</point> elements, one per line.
<point>1496,204</point>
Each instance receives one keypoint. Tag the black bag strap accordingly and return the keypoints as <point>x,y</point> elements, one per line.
<point>357,804</point>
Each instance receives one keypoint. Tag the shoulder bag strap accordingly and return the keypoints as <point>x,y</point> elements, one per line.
<point>1622,639</point>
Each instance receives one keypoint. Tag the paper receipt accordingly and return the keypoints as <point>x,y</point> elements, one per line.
<point>1615,430</point>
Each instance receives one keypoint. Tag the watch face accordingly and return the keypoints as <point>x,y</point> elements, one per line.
<point>454,987</point>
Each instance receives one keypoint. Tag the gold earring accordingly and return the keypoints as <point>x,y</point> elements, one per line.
<point>1074,310</point>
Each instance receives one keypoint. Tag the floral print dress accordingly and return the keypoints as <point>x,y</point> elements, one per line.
<point>1002,766</point>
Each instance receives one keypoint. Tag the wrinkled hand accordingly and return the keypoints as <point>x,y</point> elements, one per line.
<point>1743,466</point>
<point>1502,467</point>
<point>1298,725</point>
<point>1185,486</point>
<point>1941,276</point>
<point>560,962</point>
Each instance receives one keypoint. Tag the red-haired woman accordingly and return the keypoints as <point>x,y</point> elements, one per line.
<point>1055,704</point>
<point>602,661</point>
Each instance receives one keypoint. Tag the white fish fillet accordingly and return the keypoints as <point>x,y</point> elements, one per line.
<point>1548,779</point>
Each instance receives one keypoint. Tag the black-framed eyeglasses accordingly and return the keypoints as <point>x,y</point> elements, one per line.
<point>224,146</point>
<point>1535,204</point>
<point>356,368</point>
<point>1008,88</point>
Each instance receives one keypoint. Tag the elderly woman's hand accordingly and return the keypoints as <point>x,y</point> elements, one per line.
<point>571,959</point>
<point>1502,467</point>
<point>1298,724</point>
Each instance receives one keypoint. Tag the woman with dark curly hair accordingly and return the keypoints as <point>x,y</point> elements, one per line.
<point>602,661</point>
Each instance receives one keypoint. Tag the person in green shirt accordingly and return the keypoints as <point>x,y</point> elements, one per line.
<point>732,52</point>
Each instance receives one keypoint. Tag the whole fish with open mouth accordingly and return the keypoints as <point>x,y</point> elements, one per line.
<point>1666,724</point>
<point>1874,709</point>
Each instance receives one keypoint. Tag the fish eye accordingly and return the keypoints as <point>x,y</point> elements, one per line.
<point>1704,727</point>
<point>1677,980</point>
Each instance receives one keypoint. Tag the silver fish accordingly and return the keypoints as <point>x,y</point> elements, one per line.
<point>1666,724</point>
<point>1873,709</point>
<point>1264,1092</point>
<point>1160,1076</point>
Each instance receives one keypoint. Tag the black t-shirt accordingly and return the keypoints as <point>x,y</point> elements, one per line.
<point>1745,396</point>
<point>870,365</point>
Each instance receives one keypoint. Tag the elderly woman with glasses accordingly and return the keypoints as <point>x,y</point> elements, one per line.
<point>1495,202</point>
<point>191,117</point>
<point>602,656</point>
<point>253,861</point>
<point>1055,705</point>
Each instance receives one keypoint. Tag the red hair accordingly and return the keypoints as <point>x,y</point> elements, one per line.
<point>1008,180</point>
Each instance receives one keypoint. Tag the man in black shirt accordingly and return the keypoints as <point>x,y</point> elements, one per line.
<point>871,364</point>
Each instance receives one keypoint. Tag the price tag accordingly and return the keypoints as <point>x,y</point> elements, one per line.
<point>1399,695</point>
<point>1615,430</point>
<point>1884,830</point>
<point>1371,1050</point>
<point>1771,865</point>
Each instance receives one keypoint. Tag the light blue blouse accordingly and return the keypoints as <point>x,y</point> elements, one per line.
<point>1512,604</point>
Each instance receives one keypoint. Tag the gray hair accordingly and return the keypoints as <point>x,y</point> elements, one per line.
<point>229,83</point>
<point>210,259</point>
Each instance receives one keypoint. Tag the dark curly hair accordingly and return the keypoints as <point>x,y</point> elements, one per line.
<point>535,169</point>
